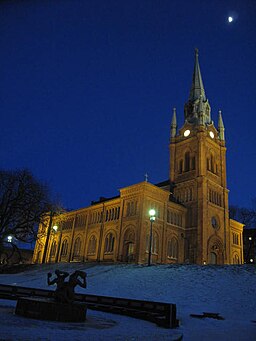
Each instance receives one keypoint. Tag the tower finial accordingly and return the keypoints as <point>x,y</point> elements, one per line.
<point>197,104</point>
<point>197,88</point>
<point>174,124</point>
<point>221,127</point>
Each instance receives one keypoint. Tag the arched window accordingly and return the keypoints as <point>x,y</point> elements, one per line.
<point>181,166</point>
<point>208,164</point>
<point>154,244</point>
<point>53,249</point>
<point>128,210</point>
<point>109,243</point>
<point>92,245</point>
<point>77,247</point>
<point>172,248</point>
<point>187,162</point>
<point>236,259</point>
<point>193,163</point>
<point>64,248</point>
<point>212,164</point>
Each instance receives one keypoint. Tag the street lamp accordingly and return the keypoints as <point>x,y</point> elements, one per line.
<point>9,239</point>
<point>55,228</point>
<point>152,217</point>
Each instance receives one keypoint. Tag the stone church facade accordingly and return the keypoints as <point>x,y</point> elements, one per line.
<point>192,222</point>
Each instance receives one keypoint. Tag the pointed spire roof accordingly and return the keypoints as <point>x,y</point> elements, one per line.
<point>221,127</point>
<point>197,88</point>
<point>174,118</point>
<point>174,124</point>
<point>220,123</point>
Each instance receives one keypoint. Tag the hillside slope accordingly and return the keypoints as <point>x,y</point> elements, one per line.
<point>228,290</point>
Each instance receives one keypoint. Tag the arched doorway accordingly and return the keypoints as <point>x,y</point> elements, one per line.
<point>213,258</point>
<point>129,245</point>
<point>215,251</point>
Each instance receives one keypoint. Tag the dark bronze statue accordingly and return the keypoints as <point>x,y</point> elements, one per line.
<point>65,291</point>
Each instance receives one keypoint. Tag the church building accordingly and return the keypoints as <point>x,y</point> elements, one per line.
<point>192,223</point>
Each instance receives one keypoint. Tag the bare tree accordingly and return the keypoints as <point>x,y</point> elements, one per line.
<point>23,203</point>
<point>244,215</point>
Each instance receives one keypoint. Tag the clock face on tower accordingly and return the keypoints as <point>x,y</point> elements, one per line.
<point>211,134</point>
<point>186,133</point>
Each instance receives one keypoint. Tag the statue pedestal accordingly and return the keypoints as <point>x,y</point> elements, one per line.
<point>48,309</point>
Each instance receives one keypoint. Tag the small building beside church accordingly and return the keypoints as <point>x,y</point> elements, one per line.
<point>192,222</point>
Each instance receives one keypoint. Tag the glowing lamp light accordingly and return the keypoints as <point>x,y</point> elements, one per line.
<point>251,260</point>
<point>152,215</point>
<point>250,238</point>
<point>230,19</point>
<point>55,228</point>
<point>9,239</point>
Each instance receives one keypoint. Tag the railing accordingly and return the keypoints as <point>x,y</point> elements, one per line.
<point>163,314</point>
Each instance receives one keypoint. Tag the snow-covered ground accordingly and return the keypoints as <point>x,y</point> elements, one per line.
<point>228,290</point>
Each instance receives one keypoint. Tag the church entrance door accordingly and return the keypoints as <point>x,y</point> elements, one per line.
<point>213,258</point>
<point>129,246</point>
<point>129,255</point>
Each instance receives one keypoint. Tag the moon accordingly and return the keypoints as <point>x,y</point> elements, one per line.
<point>230,19</point>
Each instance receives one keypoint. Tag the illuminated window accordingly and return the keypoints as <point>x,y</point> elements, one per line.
<point>92,245</point>
<point>53,249</point>
<point>64,248</point>
<point>77,247</point>
<point>172,248</point>
<point>109,243</point>
<point>236,259</point>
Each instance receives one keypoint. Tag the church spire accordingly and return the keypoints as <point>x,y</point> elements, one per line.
<point>197,88</point>
<point>174,124</point>
<point>221,127</point>
<point>197,110</point>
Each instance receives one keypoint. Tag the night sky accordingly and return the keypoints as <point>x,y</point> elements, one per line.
<point>87,89</point>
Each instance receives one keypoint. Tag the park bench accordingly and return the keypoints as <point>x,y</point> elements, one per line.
<point>163,314</point>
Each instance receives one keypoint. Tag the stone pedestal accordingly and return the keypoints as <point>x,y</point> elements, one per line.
<point>48,309</point>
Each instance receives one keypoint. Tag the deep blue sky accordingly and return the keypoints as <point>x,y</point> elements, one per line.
<point>87,89</point>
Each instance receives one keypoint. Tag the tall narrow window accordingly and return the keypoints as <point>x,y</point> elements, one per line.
<point>187,161</point>
<point>53,249</point>
<point>212,164</point>
<point>181,166</point>
<point>109,243</point>
<point>193,163</point>
<point>77,247</point>
<point>64,248</point>
<point>208,164</point>
<point>92,245</point>
<point>155,243</point>
<point>173,248</point>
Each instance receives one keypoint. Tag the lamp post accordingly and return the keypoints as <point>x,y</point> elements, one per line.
<point>152,217</point>
<point>9,239</point>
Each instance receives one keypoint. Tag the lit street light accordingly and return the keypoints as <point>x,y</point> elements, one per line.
<point>9,239</point>
<point>152,217</point>
<point>55,228</point>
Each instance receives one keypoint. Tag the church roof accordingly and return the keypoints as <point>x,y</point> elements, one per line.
<point>197,87</point>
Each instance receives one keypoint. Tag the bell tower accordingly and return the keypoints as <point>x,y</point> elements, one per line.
<point>198,176</point>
